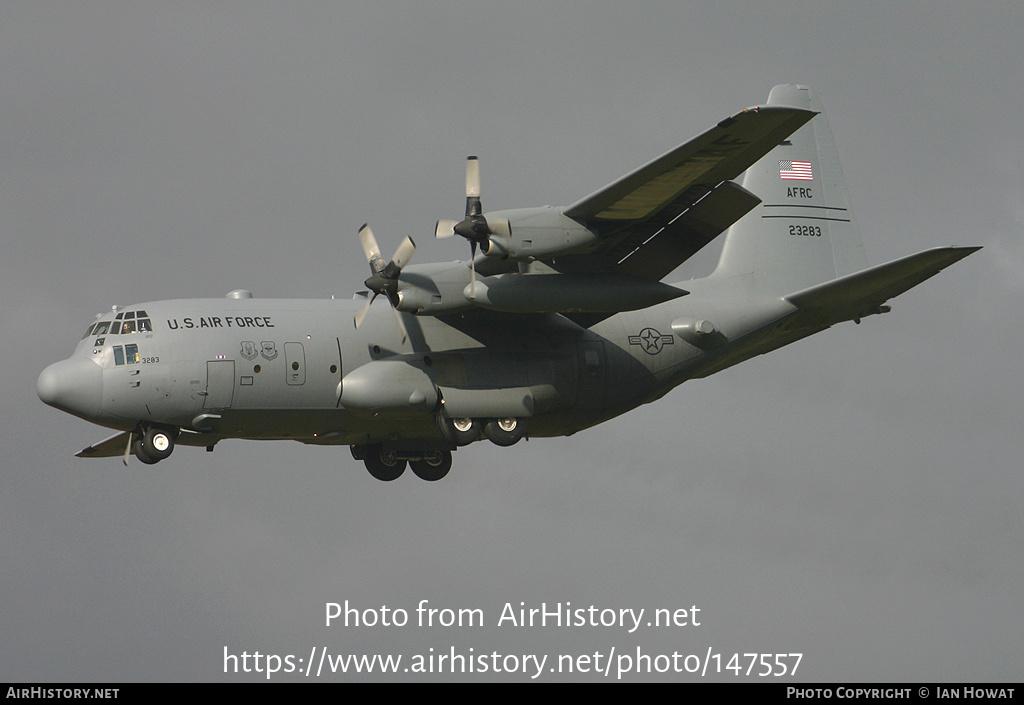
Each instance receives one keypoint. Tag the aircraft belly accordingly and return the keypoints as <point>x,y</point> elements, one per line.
<point>326,426</point>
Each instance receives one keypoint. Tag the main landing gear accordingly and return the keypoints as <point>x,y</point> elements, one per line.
<point>153,445</point>
<point>387,465</point>
<point>461,432</point>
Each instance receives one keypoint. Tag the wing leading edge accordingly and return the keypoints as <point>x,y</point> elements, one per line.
<point>656,217</point>
<point>722,153</point>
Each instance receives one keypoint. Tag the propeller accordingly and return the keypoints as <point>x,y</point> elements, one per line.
<point>474,227</point>
<point>384,276</point>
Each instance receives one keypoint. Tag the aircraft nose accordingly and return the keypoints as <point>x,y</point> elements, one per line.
<point>74,385</point>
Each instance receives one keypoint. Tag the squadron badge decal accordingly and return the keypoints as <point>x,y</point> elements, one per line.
<point>268,349</point>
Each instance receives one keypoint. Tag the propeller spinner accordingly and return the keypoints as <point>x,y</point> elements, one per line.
<point>384,276</point>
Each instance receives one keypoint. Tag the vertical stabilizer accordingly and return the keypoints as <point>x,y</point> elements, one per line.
<point>803,233</point>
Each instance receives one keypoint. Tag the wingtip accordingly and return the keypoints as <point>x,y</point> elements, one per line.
<point>965,251</point>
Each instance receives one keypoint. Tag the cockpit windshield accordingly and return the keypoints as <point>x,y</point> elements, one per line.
<point>124,323</point>
<point>100,328</point>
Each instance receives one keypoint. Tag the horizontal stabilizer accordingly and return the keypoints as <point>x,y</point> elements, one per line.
<point>861,293</point>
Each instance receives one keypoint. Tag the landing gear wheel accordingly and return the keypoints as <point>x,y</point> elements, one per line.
<point>383,464</point>
<point>157,443</point>
<point>504,432</point>
<point>140,452</point>
<point>433,466</point>
<point>460,432</point>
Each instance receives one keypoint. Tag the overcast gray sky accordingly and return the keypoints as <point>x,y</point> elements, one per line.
<point>854,497</point>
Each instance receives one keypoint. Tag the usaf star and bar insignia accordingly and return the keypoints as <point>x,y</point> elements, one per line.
<point>651,340</point>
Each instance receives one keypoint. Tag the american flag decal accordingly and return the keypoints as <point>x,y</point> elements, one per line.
<point>795,171</point>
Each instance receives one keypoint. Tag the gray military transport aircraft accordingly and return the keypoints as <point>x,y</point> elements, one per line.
<point>559,323</point>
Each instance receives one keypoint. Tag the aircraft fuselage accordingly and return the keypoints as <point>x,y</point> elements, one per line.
<point>299,369</point>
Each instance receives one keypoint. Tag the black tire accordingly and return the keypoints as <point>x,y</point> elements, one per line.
<point>458,432</point>
<point>383,464</point>
<point>157,443</point>
<point>505,432</point>
<point>433,466</point>
<point>141,454</point>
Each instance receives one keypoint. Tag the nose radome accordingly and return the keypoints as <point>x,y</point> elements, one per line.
<point>74,385</point>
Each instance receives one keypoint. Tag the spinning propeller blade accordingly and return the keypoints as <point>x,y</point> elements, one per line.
<point>474,227</point>
<point>384,277</point>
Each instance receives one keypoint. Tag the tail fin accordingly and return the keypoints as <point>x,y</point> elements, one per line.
<point>803,232</point>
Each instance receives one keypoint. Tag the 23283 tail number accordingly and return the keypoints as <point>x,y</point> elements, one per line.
<point>806,230</point>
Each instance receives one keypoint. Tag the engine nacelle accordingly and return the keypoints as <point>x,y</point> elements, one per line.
<point>565,293</point>
<point>534,233</point>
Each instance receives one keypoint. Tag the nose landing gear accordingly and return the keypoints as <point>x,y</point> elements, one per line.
<point>153,445</point>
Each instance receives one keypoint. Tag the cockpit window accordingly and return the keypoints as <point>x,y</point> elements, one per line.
<point>128,322</point>
<point>97,329</point>
<point>126,355</point>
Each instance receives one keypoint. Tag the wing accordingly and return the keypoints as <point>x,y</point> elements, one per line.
<point>624,238</point>
<point>653,219</point>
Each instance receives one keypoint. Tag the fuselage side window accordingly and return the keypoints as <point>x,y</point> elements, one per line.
<point>131,352</point>
<point>118,355</point>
